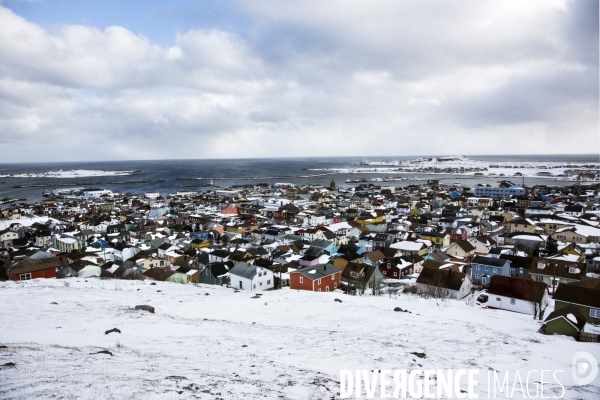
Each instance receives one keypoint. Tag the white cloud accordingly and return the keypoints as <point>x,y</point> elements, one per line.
<point>307,78</point>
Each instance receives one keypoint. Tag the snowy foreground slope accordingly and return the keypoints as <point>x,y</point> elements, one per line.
<point>209,342</point>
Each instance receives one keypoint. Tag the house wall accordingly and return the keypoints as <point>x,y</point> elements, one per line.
<point>45,273</point>
<point>561,327</point>
<point>241,283</point>
<point>480,269</point>
<point>328,283</point>
<point>584,310</point>
<point>520,306</point>
<point>297,285</point>
<point>255,283</point>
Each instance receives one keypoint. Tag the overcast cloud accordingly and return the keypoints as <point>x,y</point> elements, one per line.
<point>300,78</point>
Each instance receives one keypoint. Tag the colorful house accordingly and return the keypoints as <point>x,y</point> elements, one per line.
<point>318,278</point>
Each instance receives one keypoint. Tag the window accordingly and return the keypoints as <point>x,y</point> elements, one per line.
<point>512,301</point>
<point>25,277</point>
<point>319,281</point>
<point>395,274</point>
<point>335,285</point>
<point>259,284</point>
<point>301,280</point>
<point>268,281</point>
<point>319,289</point>
<point>254,286</point>
<point>477,276</point>
<point>594,313</point>
<point>333,277</point>
<point>486,269</point>
<point>498,299</point>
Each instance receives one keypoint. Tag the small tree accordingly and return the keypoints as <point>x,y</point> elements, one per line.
<point>551,246</point>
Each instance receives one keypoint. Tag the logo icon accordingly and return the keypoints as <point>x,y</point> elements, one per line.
<point>585,368</point>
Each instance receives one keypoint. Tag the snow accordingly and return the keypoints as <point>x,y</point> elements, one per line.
<point>504,169</point>
<point>75,173</point>
<point>287,344</point>
<point>24,221</point>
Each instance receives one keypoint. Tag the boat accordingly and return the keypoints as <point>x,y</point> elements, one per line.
<point>46,193</point>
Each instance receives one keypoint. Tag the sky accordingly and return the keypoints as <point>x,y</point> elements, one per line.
<point>126,80</point>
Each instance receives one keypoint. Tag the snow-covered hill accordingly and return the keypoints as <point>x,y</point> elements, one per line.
<point>211,342</point>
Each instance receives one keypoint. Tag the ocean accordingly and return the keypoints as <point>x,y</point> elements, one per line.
<point>171,173</point>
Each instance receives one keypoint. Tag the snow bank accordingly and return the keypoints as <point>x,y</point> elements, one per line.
<point>210,342</point>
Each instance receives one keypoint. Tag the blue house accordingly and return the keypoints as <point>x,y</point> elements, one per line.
<point>326,245</point>
<point>483,268</point>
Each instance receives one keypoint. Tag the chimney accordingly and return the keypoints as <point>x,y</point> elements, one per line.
<point>324,267</point>
<point>449,271</point>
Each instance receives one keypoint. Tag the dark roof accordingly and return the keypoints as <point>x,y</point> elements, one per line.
<point>491,261</point>
<point>244,270</point>
<point>218,269</point>
<point>517,288</point>
<point>444,278</point>
<point>465,245</point>
<point>565,312</point>
<point>220,253</point>
<point>317,271</point>
<point>517,262</point>
<point>558,268</point>
<point>159,274</point>
<point>358,272</point>
<point>433,264</point>
<point>28,265</point>
<point>578,293</point>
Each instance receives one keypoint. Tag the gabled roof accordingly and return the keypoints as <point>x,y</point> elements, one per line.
<point>159,273</point>
<point>569,314</point>
<point>244,270</point>
<point>445,278</point>
<point>218,269</point>
<point>517,262</point>
<point>358,272</point>
<point>491,261</point>
<point>517,288</point>
<point>582,293</point>
<point>29,265</point>
<point>465,245</point>
<point>317,271</point>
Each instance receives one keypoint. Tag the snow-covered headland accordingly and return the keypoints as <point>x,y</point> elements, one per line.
<point>75,173</point>
<point>461,165</point>
<point>211,342</point>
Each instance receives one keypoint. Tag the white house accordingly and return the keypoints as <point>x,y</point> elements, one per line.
<point>250,277</point>
<point>516,294</point>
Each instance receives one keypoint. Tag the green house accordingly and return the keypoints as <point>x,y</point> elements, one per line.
<point>581,295</point>
<point>565,321</point>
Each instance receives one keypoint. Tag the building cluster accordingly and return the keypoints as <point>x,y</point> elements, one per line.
<point>521,245</point>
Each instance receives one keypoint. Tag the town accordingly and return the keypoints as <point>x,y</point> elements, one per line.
<point>530,250</point>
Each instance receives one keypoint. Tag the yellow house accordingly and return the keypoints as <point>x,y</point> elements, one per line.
<point>461,249</point>
<point>198,244</point>
<point>440,240</point>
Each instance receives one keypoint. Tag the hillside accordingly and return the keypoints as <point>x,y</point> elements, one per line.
<point>211,342</point>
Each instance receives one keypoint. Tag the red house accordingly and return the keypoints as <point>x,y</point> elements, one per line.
<point>31,269</point>
<point>458,234</point>
<point>319,278</point>
<point>396,270</point>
